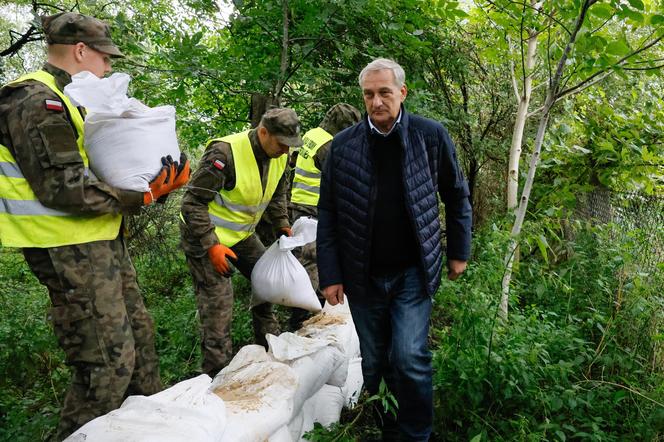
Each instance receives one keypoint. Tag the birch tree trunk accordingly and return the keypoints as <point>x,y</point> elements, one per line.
<point>520,121</point>
<point>551,98</point>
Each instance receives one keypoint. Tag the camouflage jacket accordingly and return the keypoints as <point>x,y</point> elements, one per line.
<point>43,143</point>
<point>198,231</point>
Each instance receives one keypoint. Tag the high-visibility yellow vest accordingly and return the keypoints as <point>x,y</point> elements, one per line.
<point>235,213</point>
<point>306,182</point>
<point>24,221</point>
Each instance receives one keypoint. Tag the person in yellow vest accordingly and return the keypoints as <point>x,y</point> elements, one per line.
<point>306,187</point>
<point>68,225</point>
<point>239,177</point>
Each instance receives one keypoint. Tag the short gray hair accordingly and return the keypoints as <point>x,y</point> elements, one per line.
<point>385,63</point>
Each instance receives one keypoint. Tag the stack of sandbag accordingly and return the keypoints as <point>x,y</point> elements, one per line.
<point>279,278</point>
<point>258,393</point>
<point>188,411</point>
<point>124,139</point>
<point>335,324</point>
<point>315,363</point>
<point>274,396</point>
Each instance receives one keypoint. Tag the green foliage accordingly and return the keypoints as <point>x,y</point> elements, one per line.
<point>608,138</point>
<point>32,377</point>
<point>573,361</point>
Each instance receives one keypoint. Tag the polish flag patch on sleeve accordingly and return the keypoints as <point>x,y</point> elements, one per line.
<point>54,105</point>
<point>218,164</point>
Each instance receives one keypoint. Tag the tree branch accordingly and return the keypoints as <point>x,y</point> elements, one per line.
<point>606,71</point>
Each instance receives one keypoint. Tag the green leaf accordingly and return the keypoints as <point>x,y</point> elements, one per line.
<point>543,246</point>
<point>618,47</point>
<point>477,438</point>
<point>656,19</point>
<point>632,15</point>
<point>602,11</point>
<point>638,4</point>
<point>619,396</point>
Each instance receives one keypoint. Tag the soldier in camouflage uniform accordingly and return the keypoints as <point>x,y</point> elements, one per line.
<point>239,178</point>
<point>68,225</point>
<point>306,183</point>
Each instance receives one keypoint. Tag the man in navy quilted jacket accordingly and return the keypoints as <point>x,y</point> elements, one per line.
<point>379,239</point>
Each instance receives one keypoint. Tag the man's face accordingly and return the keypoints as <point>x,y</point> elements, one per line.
<point>94,61</point>
<point>382,98</point>
<point>271,144</point>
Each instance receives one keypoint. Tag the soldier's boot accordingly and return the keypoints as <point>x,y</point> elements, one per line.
<point>264,321</point>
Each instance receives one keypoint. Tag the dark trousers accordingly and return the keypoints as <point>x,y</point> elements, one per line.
<point>392,322</point>
<point>101,324</point>
<point>214,299</point>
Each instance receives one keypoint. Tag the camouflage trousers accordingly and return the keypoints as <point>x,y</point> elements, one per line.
<point>307,257</point>
<point>214,298</point>
<point>101,324</point>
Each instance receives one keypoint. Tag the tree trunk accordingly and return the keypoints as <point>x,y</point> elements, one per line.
<point>520,123</point>
<point>259,104</point>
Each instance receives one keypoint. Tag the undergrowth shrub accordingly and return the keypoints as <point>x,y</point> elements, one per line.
<point>577,358</point>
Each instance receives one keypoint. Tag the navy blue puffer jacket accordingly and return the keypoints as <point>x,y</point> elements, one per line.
<point>347,196</point>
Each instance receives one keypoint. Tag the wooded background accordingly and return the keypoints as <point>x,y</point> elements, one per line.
<point>557,111</point>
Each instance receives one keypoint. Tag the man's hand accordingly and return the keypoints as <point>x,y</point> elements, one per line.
<point>171,176</point>
<point>334,294</point>
<point>218,254</point>
<point>455,268</point>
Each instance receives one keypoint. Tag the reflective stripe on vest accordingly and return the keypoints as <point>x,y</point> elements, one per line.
<point>306,182</point>
<point>26,222</point>
<point>235,213</point>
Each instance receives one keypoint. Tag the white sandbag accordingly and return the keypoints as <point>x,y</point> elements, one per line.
<point>313,372</point>
<point>186,411</point>
<point>354,382</point>
<point>295,426</point>
<point>258,394</point>
<point>338,376</point>
<point>124,139</point>
<point>289,346</point>
<point>306,421</point>
<point>334,324</point>
<point>281,435</point>
<point>279,278</point>
<point>327,404</point>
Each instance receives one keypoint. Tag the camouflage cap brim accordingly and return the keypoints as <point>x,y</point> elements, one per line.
<point>292,141</point>
<point>109,49</point>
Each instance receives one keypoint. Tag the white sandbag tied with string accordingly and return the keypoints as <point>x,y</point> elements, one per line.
<point>279,278</point>
<point>124,139</point>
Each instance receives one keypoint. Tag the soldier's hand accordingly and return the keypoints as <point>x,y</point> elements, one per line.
<point>285,231</point>
<point>171,176</point>
<point>218,254</point>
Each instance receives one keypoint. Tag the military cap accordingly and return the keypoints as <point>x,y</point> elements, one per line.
<point>283,123</point>
<point>70,28</point>
<point>339,117</point>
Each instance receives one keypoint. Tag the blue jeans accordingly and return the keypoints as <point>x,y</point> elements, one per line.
<point>392,322</point>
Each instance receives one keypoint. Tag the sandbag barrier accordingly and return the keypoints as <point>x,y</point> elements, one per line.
<point>275,395</point>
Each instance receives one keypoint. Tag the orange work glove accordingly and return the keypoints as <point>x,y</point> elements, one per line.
<point>218,254</point>
<point>285,231</point>
<point>171,176</point>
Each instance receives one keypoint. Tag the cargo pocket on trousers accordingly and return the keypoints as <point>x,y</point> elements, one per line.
<point>76,330</point>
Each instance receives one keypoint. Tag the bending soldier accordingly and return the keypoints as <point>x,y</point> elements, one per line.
<point>240,176</point>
